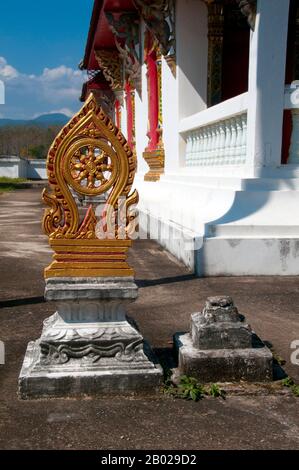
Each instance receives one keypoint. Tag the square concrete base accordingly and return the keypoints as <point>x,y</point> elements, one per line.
<point>221,365</point>
<point>78,379</point>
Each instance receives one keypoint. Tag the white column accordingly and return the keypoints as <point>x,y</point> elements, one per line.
<point>192,56</point>
<point>187,93</point>
<point>267,63</point>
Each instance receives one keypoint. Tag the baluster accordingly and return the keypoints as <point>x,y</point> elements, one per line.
<point>222,139</point>
<point>217,144</point>
<point>244,138</point>
<point>213,145</point>
<point>197,147</point>
<point>193,148</point>
<point>228,134</point>
<point>200,146</point>
<point>204,145</point>
<point>232,151</point>
<point>238,147</point>
<point>188,148</point>
<point>209,145</point>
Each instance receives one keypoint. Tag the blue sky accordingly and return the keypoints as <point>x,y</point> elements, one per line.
<point>41,44</point>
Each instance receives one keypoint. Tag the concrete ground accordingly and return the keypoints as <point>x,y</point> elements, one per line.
<point>168,295</point>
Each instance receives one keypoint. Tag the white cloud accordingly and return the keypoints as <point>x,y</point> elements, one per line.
<point>7,72</point>
<point>29,95</point>
<point>59,72</point>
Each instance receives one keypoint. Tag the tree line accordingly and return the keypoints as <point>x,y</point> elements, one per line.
<point>28,141</point>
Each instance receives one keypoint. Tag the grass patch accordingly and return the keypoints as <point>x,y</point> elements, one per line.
<point>289,382</point>
<point>189,388</point>
<point>6,179</point>
<point>10,184</point>
<point>215,391</point>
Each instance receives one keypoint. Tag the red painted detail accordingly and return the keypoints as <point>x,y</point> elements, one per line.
<point>130,117</point>
<point>117,114</point>
<point>100,35</point>
<point>153,100</point>
<point>100,260</point>
<point>235,64</point>
<point>97,253</point>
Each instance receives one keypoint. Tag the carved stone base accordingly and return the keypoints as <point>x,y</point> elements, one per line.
<point>155,161</point>
<point>89,346</point>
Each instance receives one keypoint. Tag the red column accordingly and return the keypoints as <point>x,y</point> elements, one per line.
<point>153,98</point>
<point>118,114</point>
<point>130,115</point>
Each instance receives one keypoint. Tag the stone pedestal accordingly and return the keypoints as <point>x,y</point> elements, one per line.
<point>89,346</point>
<point>221,347</point>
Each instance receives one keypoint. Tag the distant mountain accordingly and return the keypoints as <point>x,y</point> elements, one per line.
<point>44,120</point>
<point>56,118</point>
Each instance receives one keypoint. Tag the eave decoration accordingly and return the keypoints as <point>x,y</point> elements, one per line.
<point>159,17</point>
<point>110,63</point>
<point>126,33</point>
<point>248,8</point>
<point>90,159</point>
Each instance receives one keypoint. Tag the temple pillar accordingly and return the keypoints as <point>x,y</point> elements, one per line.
<point>154,152</point>
<point>185,92</point>
<point>267,63</point>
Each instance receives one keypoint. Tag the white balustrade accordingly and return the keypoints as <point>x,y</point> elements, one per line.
<point>221,143</point>
<point>218,135</point>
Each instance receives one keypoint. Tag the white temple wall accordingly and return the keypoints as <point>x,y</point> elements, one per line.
<point>235,213</point>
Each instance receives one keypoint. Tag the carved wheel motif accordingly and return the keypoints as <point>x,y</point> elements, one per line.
<point>92,168</point>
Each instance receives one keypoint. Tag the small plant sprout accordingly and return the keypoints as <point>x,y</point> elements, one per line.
<point>190,389</point>
<point>215,391</point>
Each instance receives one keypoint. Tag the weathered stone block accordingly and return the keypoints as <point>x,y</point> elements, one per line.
<point>222,347</point>
<point>219,335</point>
<point>219,309</point>
<point>224,365</point>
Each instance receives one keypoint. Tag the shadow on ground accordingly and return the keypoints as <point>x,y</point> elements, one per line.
<point>168,294</point>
